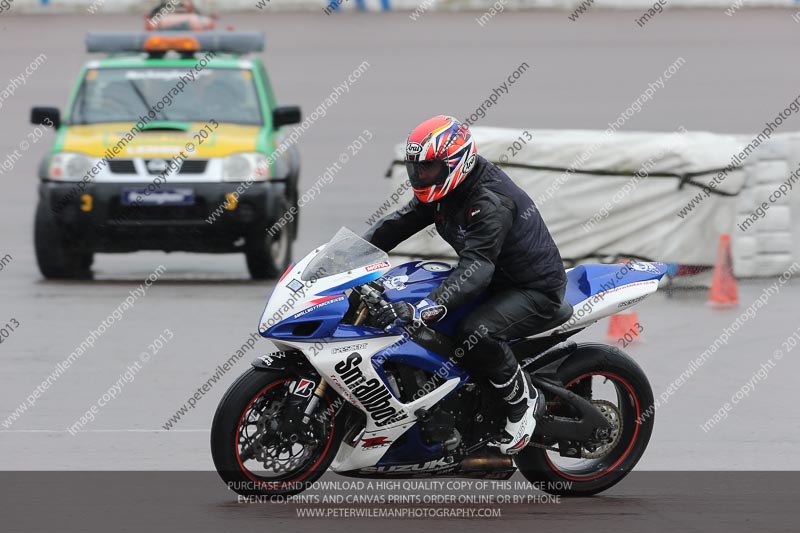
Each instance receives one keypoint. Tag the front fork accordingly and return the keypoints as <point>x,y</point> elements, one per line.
<point>319,393</point>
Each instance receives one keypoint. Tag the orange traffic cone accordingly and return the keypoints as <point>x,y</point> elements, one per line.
<point>724,290</point>
<point>624,326</point>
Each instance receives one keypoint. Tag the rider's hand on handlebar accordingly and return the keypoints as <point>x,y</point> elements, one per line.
<point>426,311</point>
<point>398,312</point>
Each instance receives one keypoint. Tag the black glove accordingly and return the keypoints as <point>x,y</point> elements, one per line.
<point>402,311</point>
<point>426,311</point>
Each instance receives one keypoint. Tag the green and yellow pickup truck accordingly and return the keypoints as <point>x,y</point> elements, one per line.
<point>174,142</point>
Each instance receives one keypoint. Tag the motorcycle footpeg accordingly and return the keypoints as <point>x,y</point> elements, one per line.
<point>484,442</point>
<point>423,414</point>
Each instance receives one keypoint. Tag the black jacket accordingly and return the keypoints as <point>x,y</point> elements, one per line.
<point>495,228</point>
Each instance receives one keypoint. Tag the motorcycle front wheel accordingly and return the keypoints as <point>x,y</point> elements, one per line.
<point>257,444</point>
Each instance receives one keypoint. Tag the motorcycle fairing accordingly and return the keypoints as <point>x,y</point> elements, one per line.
<point>596,291</point>
<point>350,367</point>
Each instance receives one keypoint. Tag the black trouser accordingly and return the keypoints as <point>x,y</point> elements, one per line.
<point>506,315</point>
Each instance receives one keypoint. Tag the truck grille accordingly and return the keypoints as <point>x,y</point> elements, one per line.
<point>121,166</point>
<point>126,166</point>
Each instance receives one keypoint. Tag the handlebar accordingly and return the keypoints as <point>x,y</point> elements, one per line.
<point>371,296</point>
<point>420,333</point>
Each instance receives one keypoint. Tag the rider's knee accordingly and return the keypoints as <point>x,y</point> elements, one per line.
<point>470,328</point>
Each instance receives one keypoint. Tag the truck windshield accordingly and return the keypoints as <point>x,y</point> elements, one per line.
<point>127,95</point>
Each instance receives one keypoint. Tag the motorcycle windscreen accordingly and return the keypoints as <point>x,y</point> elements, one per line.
<point>345,251</point>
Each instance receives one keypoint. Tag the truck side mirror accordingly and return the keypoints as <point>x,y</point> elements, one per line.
<point>281,116</point>
<point>46,116</point>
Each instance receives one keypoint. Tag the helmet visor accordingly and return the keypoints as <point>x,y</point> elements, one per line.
<point>423,174</point>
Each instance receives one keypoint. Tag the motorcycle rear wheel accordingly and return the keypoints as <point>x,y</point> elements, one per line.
<point>633,413</point>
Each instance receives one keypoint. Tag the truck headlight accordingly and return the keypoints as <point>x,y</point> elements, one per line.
<point>245,166</point>
<point>69,166</point>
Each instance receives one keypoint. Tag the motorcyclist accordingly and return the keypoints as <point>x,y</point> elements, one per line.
<point>170,6</point>
<point>505,251</point>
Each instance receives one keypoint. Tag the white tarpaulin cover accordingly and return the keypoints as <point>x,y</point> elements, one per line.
<point>603,208</point>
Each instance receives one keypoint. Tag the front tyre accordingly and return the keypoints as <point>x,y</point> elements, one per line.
<point>269,251</point>
<point>59,255</point>
<point>257,450</point>
<point>618,387</point>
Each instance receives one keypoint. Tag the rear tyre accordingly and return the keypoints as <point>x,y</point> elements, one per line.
<point>267,254</point>
<point>59,255</point>
<point>255,449</point>
<point>604,462</point>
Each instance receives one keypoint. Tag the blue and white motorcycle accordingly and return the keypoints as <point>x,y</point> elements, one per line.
<point>364,402</point>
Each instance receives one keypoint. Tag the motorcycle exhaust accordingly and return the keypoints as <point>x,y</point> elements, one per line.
<point>486,463</point>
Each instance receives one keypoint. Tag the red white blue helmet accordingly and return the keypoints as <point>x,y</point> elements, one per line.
<point>440,153</point>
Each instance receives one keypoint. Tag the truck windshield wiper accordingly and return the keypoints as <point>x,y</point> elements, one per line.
<point>140,94</point>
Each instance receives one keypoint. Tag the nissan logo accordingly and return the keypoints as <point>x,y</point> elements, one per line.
<point>156,166</point>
